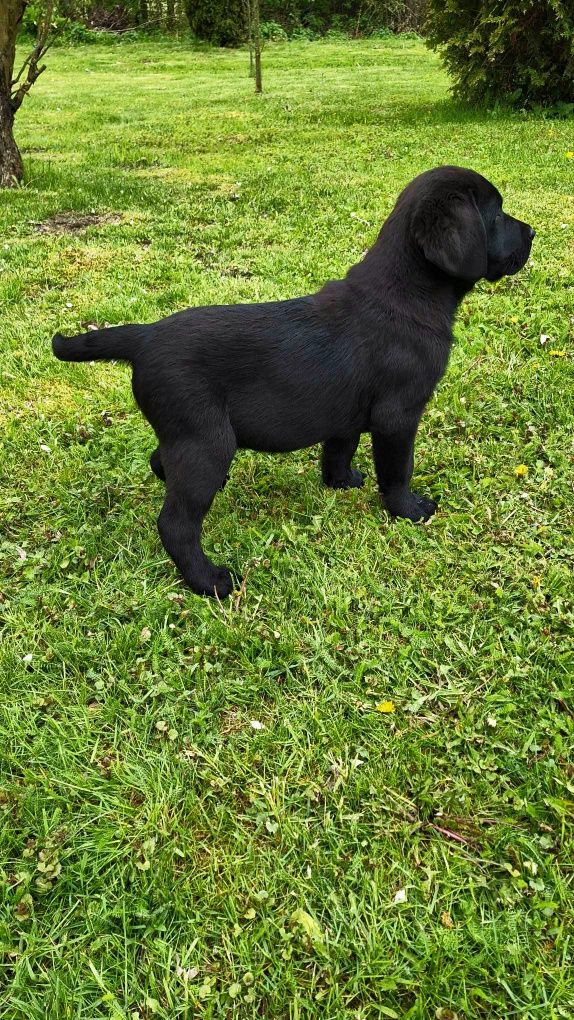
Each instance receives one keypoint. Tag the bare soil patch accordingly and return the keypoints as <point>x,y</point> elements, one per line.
<point>73,222</point>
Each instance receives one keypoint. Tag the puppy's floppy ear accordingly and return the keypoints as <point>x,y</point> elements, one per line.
<point>451,235</point>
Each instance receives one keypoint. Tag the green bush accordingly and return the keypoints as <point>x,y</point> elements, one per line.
<point>84,21</point>
<point>29,23</point>
<point>222,24</point>
<point>513,51</point>
<point>302,33</point>
<point>273,31</point>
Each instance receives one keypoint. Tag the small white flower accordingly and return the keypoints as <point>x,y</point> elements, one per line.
<point>256,725</point>
<point>400,896</point>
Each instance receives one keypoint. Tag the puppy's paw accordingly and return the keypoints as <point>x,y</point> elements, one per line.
<point>411,506</point>
<point>352,480</point>
<point>218,582</point>
<point>224,583</point>
<point>426,507</point>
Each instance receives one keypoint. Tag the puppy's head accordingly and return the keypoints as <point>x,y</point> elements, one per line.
<point>458,224</point>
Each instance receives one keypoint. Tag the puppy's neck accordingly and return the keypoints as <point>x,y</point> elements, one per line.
<point>395,275</point>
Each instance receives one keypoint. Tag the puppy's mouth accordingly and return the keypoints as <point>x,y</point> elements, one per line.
<point>512,265</point>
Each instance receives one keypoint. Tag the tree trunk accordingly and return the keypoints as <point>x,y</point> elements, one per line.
<point>11,168</point>
<point>14,89</point>
<point>256,28</point>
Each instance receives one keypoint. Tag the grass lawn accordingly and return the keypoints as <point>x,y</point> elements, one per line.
<point>202,812</point>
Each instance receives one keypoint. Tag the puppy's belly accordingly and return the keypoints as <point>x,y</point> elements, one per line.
<point>276,422</point>
<point>277,441</point>
<point>268,434</point>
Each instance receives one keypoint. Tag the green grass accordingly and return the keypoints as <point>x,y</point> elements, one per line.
<point>154,845</point>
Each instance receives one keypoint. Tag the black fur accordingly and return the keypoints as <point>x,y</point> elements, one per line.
<point>364,354</point>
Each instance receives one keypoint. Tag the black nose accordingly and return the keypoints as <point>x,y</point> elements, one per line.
<point>531,233</point>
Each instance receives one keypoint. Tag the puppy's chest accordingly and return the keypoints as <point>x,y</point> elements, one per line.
<point>411,368</point>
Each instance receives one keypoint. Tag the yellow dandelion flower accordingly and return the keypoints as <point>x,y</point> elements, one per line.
<point>557,354</point>
<point>386,706</point>
<point>521,470</point>
<point>570,155</point>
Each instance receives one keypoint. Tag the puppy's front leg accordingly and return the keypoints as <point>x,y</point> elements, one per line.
<point>393,457</point>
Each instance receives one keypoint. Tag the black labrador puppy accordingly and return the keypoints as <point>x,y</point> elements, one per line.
<point>364,354</point>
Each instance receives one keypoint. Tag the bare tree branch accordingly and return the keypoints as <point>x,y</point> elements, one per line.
<point>32,64</point>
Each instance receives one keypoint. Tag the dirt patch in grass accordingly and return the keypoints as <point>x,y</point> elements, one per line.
<point>72,222</point>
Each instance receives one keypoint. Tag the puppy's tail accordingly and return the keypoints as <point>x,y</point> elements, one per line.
<point>121,343</point>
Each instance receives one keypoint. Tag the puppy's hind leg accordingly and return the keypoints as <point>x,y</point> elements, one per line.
<point>194,470</point>
<point>336,460</point>
<point>157,468</point>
